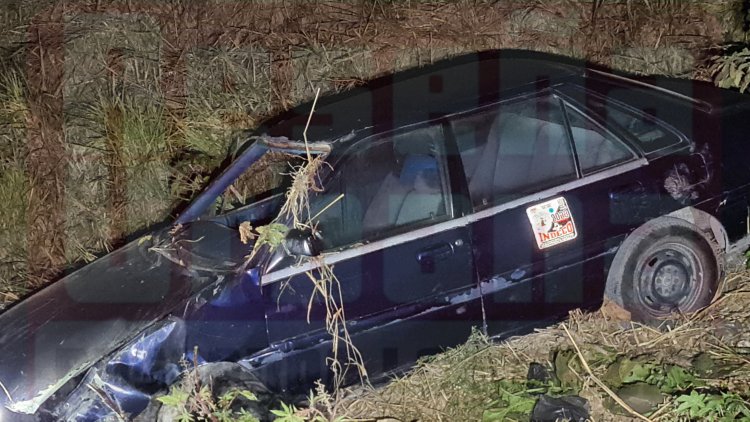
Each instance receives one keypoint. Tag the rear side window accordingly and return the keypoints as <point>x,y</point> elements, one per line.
<point>645,129</point>
<point>514,149</point>
<point>596,147</point>
<point>631,110</point>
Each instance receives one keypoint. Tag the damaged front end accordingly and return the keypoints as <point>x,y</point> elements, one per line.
<point>102,341</point>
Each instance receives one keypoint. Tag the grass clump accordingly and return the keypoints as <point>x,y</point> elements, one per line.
<point>697,369</point>
<point>13,223</point>
<point>194,400</point>
<point>732,70</point>
<point>14,187</point>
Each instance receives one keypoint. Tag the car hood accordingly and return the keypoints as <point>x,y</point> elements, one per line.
<point>59,332</point>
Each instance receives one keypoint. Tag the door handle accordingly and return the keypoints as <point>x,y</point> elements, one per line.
<point>427,257</point>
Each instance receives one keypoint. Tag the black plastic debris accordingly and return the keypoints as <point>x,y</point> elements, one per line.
<point>568,408</point>
<point>539,373</point>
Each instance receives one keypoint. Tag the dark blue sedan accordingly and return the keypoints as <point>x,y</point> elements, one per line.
<point>497,191</point>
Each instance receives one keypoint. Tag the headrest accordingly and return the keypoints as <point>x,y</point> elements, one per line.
<point>416,142</point>
<point>415,164</point>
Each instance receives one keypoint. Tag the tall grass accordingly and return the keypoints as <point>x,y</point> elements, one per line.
<point>232,85</point>
<point>13,186</point>
<point>13,268</point>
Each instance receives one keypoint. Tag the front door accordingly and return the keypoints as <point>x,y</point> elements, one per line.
<point>393,254</point>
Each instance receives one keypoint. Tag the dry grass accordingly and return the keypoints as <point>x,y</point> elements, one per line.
<point>13,187</point>
<point>181,80</point>
<point>253,59</point>
<point>460,383</point>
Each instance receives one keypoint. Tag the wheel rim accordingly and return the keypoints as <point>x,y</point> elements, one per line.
<point>669,279</point>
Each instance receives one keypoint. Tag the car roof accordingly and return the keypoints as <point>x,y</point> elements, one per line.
<point>700,95</point>
<point>421,94</point>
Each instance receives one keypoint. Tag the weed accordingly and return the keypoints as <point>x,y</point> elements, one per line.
<point>733,70</point>
<point>14,187</point>
<point>515,401</point>
<point>194,401</point>
<point>288,413</point>
<point>723,407</point>
<point>321,407</point>
<point>271,235</point>
<point>13,191</point>
<point>328,288</point>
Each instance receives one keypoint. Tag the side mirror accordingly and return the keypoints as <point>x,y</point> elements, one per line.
<point>302,243</point>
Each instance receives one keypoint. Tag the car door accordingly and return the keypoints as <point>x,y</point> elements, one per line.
<point>540,225</point>
<point>396,256</point>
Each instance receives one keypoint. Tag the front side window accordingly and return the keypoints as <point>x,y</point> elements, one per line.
<point>596,147</point>
<point>271,174</point>
<point>383,186</point>
<point>515,149</point>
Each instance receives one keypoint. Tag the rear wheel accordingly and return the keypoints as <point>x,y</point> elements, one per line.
<point>665,267</point>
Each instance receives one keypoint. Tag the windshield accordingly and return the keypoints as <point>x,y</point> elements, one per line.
<point>270,175</point>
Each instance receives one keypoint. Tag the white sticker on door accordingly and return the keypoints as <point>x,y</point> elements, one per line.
<point>552,223</point>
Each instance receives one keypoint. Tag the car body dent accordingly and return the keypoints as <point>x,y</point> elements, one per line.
<point>179,273</point>
<point>97,309</point>
<point>40,326</point>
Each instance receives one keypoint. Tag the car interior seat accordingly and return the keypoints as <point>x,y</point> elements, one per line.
<point>507,157</point>
<point>553,158</point>
<point>385,204</point>
<point>412,195</point>
<point>425,199</point>
<point>595,150</point>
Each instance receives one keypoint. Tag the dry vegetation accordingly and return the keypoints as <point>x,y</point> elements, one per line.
<point>114,113</point>
<point>467,383</point>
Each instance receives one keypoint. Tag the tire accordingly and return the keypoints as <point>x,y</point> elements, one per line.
<point>665,267</point>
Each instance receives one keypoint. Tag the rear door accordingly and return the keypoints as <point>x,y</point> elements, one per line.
<point>541,222</point>
<point>394,255</point>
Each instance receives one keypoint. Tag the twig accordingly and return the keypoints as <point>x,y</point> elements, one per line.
<point>657,413</point>
<point>690,321</point>
<point>304,136</point>
<point>337,199</point>
<point>107,401</point>
<point>7,393</point>
<point>599,382</point>
<point>307,125</point>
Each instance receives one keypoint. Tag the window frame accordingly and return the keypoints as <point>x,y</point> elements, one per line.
<point>554,96</point>
<point>622,133</point>
<point>634,154</point>
<point>447,182</point>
